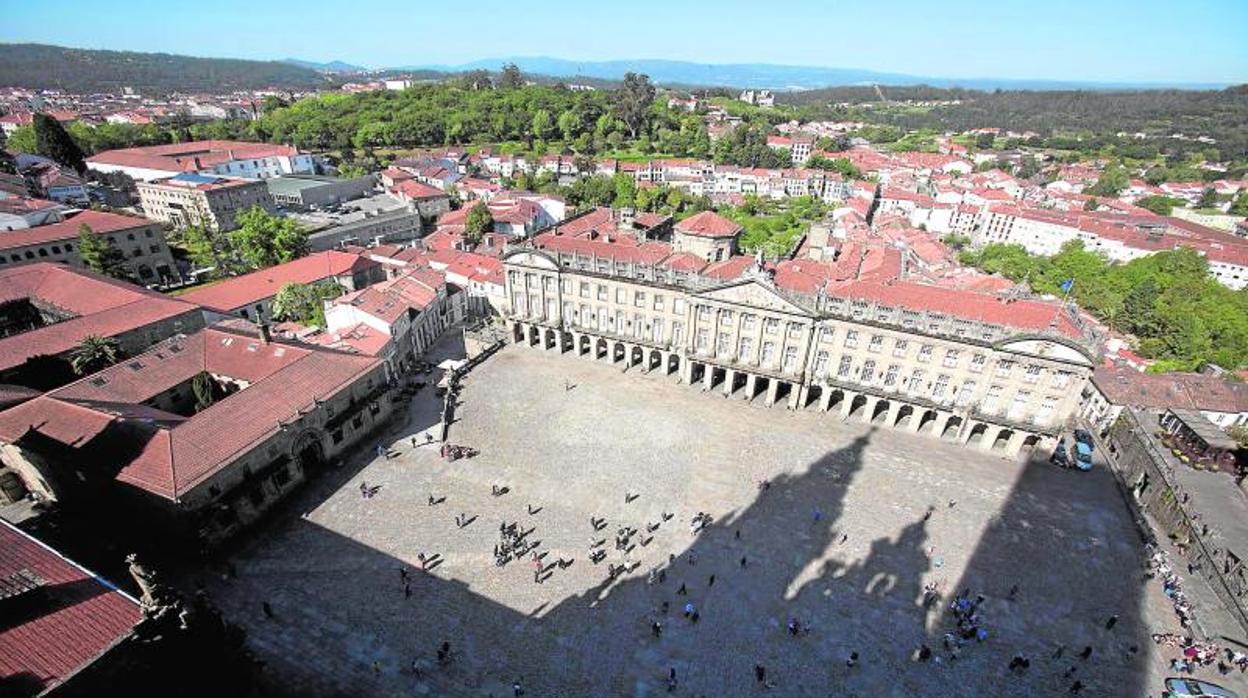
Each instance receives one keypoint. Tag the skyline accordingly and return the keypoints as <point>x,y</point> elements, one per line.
<point>1115,41</point>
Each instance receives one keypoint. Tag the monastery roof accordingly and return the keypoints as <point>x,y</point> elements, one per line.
<point>231,294</point>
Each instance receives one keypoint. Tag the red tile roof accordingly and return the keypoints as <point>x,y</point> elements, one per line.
<point>179,157</point>
<point>231,294</point>
<point>1195,391</point>
<point>708,224</point>
<point>100,222</point>
<point>72,616</point>
<point>165,454</point>
<point>103,307</point>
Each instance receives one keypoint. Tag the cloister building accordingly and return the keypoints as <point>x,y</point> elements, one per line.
<point>993,373</point>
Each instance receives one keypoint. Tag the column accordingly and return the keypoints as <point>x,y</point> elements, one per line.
<point>796,395</point>
<point>970,430</point>
<point>893,408</point>
<point>942,420</point>
<point>1015,444</point>
<point>990,437</point>
<point>751,385</point>
<point>847,404</point>
<point>803,394</point>
<point>825,399</point>
<point>707,376</point>
<point>773,388</point>
<point>916,419</point>
<point>869,408</point>
<point>729,377</point>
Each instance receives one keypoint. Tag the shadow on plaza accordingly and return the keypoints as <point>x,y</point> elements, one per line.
<point>599,642</point>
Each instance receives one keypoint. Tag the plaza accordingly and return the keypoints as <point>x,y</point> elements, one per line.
<point>841,541</point>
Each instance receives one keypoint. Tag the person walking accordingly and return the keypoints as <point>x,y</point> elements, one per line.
<point>710,582</point>
<point>1113,620</point>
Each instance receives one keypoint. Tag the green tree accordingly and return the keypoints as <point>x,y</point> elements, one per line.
<point>1161,205</point>
<point>478,223</point>
<point>93,353</point>
<point>52,141</point>
<point>100,254</point>
<point>264,240</point>
<point>7,164</point>
<point>625,190</point>
<point>542,124</point>
<point>205,390</point>
<point>1240,206</point>
<point>633,101</point>
<point>1114,178</point>
<point>1208,198</point>
<point>511,78</point>
<point>22,140</point>
<point>304,303</point>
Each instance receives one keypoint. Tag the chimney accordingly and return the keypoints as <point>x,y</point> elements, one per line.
<point>265,335</point>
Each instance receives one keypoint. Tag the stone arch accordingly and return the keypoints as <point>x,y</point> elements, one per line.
<point>977,433</point>
<point>952,426</point>
<point>582,345</point>
<point>309,450</point>
<point>858,402</point>
<point>517,332</point>
<point>1002,440</point>
<point>617,351</point>
<point>550,340</point>
<point>601,350</point>
<point>673,363</point>
<point>904,415</point>
<point>928,418</point>
<point>814,394</point>
<point>880,412</point>
<point>655,361</point>
<point>836,398</point>
<point>635,355</point>
<point>1031,442</point>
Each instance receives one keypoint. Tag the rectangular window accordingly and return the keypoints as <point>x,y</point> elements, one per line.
<point>769,353</point>
<point>951,359</point>
<point>795,329</point>
<point>726,317</point>
<point>658,302</point>
<point>567,286</point>
<point>916,381</point>
<point>639,327</point>
<point>678,333</point>
<point>991,399</point>
<point>1033,374</point>
<point>847,363</point>
<point>701,340</point>
<point>678,305</point>
<point>722,343</point>
<point>925,353</point>
<point>966,392</point>
<point>868,371</point>
<point>977,363</point>
<point>745,349</point>
<point>851,339</point>
<point>899,348</point>
<point>876,343</point>
<point>942,384</point>
<point>747,322</point>
<point>704,312</point>
<point>1003,368</point>
<point>621,296</point>
<point>1019,406</point>
<point>639,299</point>
<point>1045,412</point>
<point>584,292</point>
<point>890,376</point>
<point>821,364</point>
<point>602,292</point>
<point>789,365</point>
<point>1061,379</point>
<point>826,334</point>
<point>771,325</point>
<point>656,331</point>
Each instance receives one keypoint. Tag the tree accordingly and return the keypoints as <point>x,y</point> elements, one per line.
<point>264,240</point>
<point>1161,205</point>
<point>1240,205</point>
<point>7,164</point>
<point>477,80</point>
<point>93,353</point>
<point>53,141</point>
<point>22,140</point>
<point>208,250</point>
<point>1113,180</point>
<point>100,254</point>
<point>478,223</point>
<point>205,390</point>
<point>304,303</point>
<point>633,101</point>
<point>1208,198</point>
<point>511,77</point>
<point>984,141</point>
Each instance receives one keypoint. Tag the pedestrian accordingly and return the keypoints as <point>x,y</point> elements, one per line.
<point>737,535</point>
<point>1057,654</point>
<point>268,610</point>
<point>693,558</point>
<point>695,616</point>
<point>742,562</point>
<point>1086,653</point>
<point>852,661</point>
<point>428,438</point>
<point>671,558</point>
<point>689,609</point>
<point>656,628</point>
<point>1013,592</point>
<point>376,667</point>
<point>671,680</point>
<point>413,442</point>
<point>663,607</point>
<point>925,653</point>
<point>818,516</point>
<point>710,582</point>
<point>516,689</point>
<point>1076,687</point>
<point>1113,620</point>
<point>402,574</point>
<point>953,503</point>
<point>407,590</point>
<point>760,673</point>
<point>681,591</point>
<point>431,500</point>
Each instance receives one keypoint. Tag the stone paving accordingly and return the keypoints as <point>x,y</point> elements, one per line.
<point>840,541</point>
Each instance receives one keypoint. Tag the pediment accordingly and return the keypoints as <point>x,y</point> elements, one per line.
<point>754,294</point>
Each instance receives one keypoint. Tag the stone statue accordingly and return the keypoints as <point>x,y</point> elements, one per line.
<point>146,579</point>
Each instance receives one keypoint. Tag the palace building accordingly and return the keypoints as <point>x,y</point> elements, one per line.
<point>1001,374</point>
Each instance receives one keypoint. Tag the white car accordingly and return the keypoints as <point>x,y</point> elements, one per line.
<point>1191,688</point>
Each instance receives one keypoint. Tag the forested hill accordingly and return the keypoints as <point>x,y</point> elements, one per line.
<point>41,66</point>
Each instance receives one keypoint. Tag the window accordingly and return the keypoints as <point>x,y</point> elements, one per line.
<point>548,284</point>
<point>789,364</point>
<point>991,399</point>
<point>847,363</point>
<point>567,285</point>
<point>795,329</point>
<point>1003,368</point>
<point>726,317</point>
<point>1021,398</point>
<point>826,333</point>
<point>771,325</point>
<point>639,299</point>
<point>821,364</point>
<point>951,359</point>
<point>745,349</point>
<point>977,363</point>
<point>678,333</point>
<point>868,371</point>
<point>1045,413</point>
<point>56,249</point>
<point>851,339</point>
<point>876,343</point>
<point>704,312</point>
<point>916,381</point>
<point>925,353</point>
<point>747,322</point>
<point>1033,374</point>
<point>678,305</point>
<point>942,383</point>
<point>584,289</point>
<point>658,302</point>
<point>965,392</point>
<point>701,339</point>
<point>621,296</point>
<point>639,326</point>
<point>656,331</point>
<point>43,252</point>
<point>890,376</point>
<point>899,348</point>
<point>769,353</point>
<point>602,292</point>
<point>1061,379</point>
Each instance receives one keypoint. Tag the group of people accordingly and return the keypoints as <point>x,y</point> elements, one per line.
<point>1195,654</point>
<point>513,543</point>
<point>1172,584</point>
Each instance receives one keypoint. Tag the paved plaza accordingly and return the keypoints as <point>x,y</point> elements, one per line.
<point>841,541</point>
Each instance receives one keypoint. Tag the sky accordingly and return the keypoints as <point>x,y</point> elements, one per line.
<point>1093,40</point>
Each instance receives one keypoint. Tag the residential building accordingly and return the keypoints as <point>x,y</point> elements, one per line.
<point>46,309</point>
<point>250,296</point>
<point>707,235</point>
<point>199,435</point>
<point>303,191</point>
<point>225,158</point>
<point>203,200</point>
<point>19,212</point>
<point>1111,390</point>
<point>141,242</point>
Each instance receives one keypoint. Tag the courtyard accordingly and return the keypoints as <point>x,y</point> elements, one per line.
<point>856,520</point>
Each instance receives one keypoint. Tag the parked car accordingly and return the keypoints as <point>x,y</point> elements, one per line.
<point>1180,687</point>
<point>1083,455</point>
<point>1083,436</point>
<point>1060,458</point>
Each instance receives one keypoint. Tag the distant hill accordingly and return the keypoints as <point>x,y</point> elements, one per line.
<point>775,77</point>
<point>42,66</point>
<point>330,67</point>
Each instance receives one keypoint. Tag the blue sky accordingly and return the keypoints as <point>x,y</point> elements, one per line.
<point>1099,40</point>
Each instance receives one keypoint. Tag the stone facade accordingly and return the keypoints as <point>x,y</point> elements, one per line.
<point>981,384</point>
<point>213,204</point>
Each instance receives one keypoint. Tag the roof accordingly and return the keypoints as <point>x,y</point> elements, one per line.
<point>70,618</point>
<point>100,222</point>
<point>1192,391</point>
<point>390,300</point>
<point>708,224</point>
<point>1208,432</point>
<point>189,156</point>
<point>232,294</point>
<point>199,182</point>
<point>99,306</point>
<point>103,420</point>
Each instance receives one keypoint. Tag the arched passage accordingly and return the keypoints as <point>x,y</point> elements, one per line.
<point>880,413</point>
<point>952,427</point>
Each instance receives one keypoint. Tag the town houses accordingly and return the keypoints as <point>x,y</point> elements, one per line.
<point>997,372</point>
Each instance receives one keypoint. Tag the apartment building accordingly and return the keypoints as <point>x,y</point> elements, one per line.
<point>141,242</point>
<point>194,199</point>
